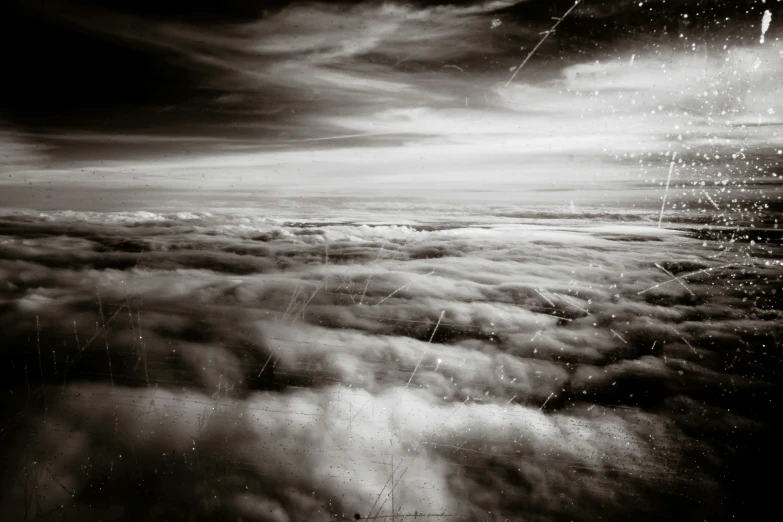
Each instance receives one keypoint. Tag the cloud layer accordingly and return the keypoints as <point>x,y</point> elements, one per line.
<point>211,366</point>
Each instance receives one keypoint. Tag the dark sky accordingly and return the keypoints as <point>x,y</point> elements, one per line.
<point>271,90</point>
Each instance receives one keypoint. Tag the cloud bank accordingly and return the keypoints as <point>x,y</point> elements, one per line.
<point>215,366</point>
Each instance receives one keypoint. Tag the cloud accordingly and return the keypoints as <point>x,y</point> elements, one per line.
<point>314,52</point>
<point>279,370</point>
<point>610,124</point>
<point>16,152</point>
<point>404,99</point>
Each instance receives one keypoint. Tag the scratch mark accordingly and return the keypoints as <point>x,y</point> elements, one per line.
<point>546,401</point>
<point>400,289</point>
<point>666,191</point>
<point>371,275</point>
<point>546,35</point>
<point>710,199</point>
<point>689,274</point>
<point>571,301</point>
<point>547,299</point>
<point>618,336</point>
<point>675,277</point>
<point>418,363</point>
<point>684,339</point>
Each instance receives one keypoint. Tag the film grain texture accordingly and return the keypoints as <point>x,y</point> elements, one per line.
<point>387,261</point>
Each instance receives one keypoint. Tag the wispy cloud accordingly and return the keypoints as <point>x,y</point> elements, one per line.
<point>375,95</point>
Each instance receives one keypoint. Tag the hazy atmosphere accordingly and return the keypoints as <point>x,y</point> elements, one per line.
<point>309,261</point>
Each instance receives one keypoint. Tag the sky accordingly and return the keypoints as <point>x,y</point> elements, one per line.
<point>361,260</point>
<point>134,101</point>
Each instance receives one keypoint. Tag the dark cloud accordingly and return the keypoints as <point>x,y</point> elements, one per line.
<point>145,79</point>
<point>158,68</point>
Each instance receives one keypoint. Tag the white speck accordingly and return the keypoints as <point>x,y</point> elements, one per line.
<point>496,23</point>
<point>766,19</point>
